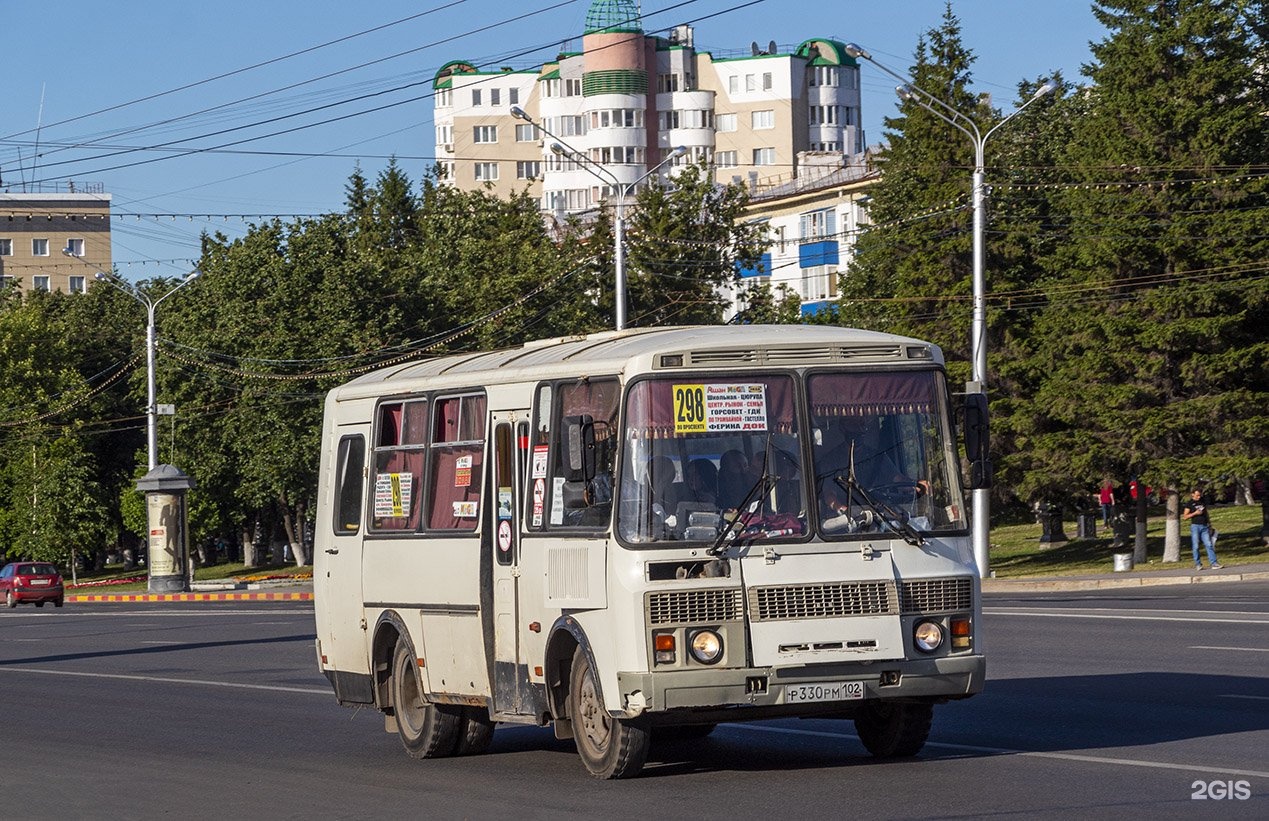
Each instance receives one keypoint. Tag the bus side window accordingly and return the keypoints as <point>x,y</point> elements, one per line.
<point>349,487</point>
<point>457,448</point>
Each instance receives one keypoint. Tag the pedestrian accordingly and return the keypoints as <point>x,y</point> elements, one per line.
<point>1200,529</point>
<point>1106,496</point>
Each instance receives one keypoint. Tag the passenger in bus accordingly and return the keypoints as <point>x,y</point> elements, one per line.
<point>662,477</point>
<point>701,480</point>
<point>735,479</point>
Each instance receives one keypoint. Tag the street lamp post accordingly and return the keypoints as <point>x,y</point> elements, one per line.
<point>151,346</point>
<point>562,149</point>
<point>978,334</point>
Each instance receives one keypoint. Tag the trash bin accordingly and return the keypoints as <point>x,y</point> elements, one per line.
<point>1051,524</point>
<point>1086,525</point>
<point>1123,562</point>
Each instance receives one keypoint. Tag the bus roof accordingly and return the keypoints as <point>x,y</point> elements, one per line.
<point>647,349</point>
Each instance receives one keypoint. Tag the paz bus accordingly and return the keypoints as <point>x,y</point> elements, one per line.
<point>648,532</point>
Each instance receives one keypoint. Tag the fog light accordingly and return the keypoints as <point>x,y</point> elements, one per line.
<point>928,636</point>
<point>961,638</point>
<point>663,644</point>
<point>706,646</point>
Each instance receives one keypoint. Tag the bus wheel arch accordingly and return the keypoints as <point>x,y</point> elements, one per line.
<point>389,630</point>
<point>565,639</point>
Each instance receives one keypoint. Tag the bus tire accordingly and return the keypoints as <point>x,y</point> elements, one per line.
<point>895,729</point>
<point>609,747</point>
<point>475,732</point>
<point>427,730</point>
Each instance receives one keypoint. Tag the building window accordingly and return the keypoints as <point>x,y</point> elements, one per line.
<point>850,78</point>
<point>819,282</point>
<point>764,156</point>
<point>39,247</point>
<point>485,133</point>
<point>445,134</point>
<point>668,83</point>
<point>445,169</point>
<point>573,87</point>
<point>528,170</point>
<point>667,120</point>
<point>6,247</point>
<point>763,119</point>
<point>821,223</point>
<point>486,171</point>
<point>76,285</point>
<point>733,84</point>
<point>750,83</point>
<point>444,97</point>
<point>513,96</point>
<point>495,96</point>
<point>39,282</point>
<point>571,126</point>
<point>475,96</point>
<point>7,282</point>
<point>824,76</point>
<point>620,154</point>
<point>726,159</point>
<point>526,133</point>
<point>766,81</point>
<point>725,122</point>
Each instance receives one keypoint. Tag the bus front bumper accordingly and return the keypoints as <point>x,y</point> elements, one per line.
<point>806,690</point>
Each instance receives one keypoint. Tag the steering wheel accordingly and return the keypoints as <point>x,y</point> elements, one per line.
<point>902,492</point>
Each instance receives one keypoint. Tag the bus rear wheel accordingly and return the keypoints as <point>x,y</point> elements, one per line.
<point>609,747</point>
<point>475,732</point>
<point>427,730</point>
<point>895,729</point>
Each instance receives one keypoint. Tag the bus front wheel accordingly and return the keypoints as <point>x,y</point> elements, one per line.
<point>609,747</point>
<point>894,729</point>
<point>427,730</point>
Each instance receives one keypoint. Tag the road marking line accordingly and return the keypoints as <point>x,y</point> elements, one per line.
<point>1235,649</point>
<point>1039,614</point>
<point>1238,695</point>
<point>164,642</point>
<point>1088,759</point>
<point>161,679</point>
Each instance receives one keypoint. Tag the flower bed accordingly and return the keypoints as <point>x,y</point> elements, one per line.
<point>107,582</point>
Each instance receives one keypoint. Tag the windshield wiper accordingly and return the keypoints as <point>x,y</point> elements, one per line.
<point>880,509</point>
<point>758,490</point>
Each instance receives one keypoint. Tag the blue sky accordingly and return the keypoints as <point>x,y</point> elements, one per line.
<point>81,61</point>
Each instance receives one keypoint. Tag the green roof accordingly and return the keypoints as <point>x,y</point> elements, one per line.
<point>613,16</point>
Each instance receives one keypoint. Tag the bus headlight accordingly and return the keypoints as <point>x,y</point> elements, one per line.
<point>927,636</point>
<point>706,646</point>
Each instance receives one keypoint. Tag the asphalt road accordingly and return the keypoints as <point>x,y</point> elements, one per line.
<point>1128,703</point>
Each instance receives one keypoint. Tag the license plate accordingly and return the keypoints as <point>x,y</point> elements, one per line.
<point>823,691</point>
<point>39,582</point>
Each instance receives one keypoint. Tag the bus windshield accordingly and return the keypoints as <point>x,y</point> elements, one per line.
<point>711,455</point>
<point>702,454</point>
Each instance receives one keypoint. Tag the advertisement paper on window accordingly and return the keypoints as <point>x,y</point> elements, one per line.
<point>462,472</point>
<point>539,461</point>
<point>392,494</point>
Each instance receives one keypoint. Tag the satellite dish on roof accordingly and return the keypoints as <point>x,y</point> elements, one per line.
<point>771,47</point>
<point>754,46</point>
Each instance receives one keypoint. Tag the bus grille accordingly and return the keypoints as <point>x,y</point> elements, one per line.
<point>694,606</point>
<point>938,595</point>
<point>823,601</point>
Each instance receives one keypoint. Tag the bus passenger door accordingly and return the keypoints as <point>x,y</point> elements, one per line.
<point>511,689</point>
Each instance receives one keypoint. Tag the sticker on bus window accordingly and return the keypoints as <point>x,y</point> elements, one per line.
<point>539,501</point>
<point>462,472</point>
<point>539,461</point>
<point>392,494</point>
<point>720,407</point>
<point>465,510</point>
<point>504,503</point>
<point>557,501</point>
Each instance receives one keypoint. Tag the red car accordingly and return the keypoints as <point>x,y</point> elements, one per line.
<point>31,581</point>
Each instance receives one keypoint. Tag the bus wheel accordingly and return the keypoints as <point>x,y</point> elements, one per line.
<point>609,747</point>
<point>894,729</point>
<point>427,730</point>
<point>475,732</point>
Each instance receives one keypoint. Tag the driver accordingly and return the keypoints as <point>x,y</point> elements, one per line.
<point>875,467</point>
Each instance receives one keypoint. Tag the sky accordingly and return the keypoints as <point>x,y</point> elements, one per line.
<point>131,95</point>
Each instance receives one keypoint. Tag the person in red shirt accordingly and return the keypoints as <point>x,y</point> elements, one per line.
<point>1106,496</point>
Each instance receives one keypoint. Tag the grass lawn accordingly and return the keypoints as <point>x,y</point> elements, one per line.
<point>1016,550</point>
<point>117,580</point>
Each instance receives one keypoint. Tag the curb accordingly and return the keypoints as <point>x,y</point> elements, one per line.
<point>1058,585</point>
<point>187,597</point>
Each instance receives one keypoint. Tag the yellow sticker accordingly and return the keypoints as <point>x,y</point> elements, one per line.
<point>689,408</point>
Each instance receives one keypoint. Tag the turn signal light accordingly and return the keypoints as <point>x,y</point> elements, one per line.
<point>960,633</point>
<point>663,644</point>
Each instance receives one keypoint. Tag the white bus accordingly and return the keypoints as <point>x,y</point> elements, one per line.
<point>648,532</point>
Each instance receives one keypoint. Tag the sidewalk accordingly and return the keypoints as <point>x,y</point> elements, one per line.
<point>1182,573</point>
<point>273,590</point>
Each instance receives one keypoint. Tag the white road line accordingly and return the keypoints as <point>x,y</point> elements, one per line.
<point>164,642</point>
<point>1239,695</point>
<point>1051,615</point>
<point>161,679</point>
<point>1089,759</point>
<point>1235,649</point>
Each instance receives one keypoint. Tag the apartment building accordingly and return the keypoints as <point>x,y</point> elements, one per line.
<point>53,241</point>
<point>594,122</point>
<point>812,222</point>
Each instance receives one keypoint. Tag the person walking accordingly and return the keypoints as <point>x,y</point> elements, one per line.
<point>1200,529</point>
<point>1106,497</point>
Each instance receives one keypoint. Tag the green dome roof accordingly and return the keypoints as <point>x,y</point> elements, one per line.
<point>613,16</point>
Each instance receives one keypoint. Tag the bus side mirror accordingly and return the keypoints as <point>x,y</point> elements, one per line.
<point>579,448</point>
<point>977,441</point>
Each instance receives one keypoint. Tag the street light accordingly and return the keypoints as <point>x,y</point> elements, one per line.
<point>978,337</point>
<point>151,410</point>
<point>604,175</point>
